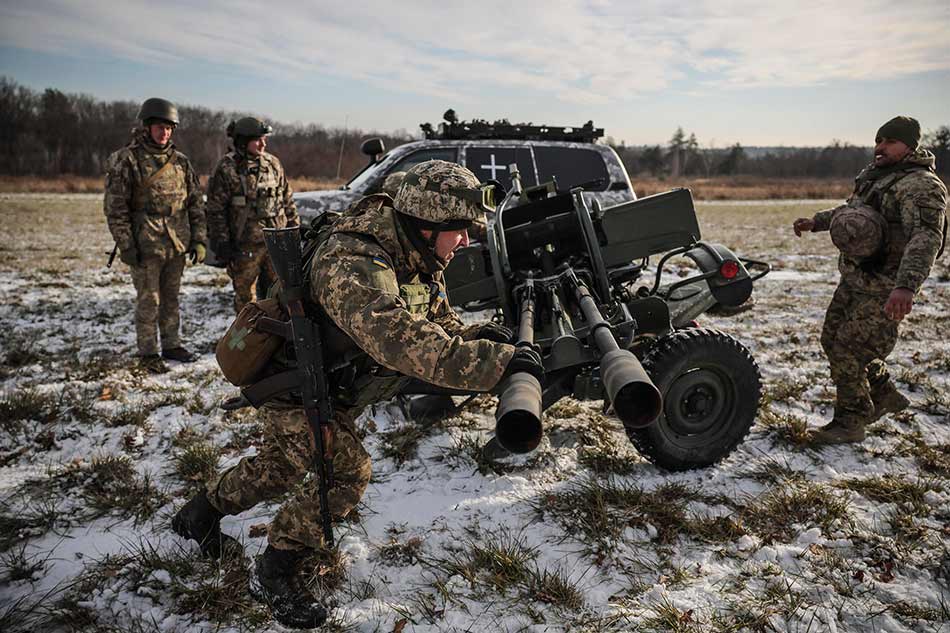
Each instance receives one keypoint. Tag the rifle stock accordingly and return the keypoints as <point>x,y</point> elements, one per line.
<point>284,250</point>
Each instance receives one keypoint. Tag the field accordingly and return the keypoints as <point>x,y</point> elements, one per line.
<point>715,188</point>
<point>581,535</point>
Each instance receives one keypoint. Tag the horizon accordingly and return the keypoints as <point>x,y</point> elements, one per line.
<point>743,73</point>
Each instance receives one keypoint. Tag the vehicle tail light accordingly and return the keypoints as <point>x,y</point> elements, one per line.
<point>729,269</point>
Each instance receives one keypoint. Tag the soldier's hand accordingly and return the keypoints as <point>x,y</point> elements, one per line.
<point>197,253</point>
<point>496,332</point>
<point>527,360</point>
<point>899,303</point>
<point>130,256</point>
<point>803,225</point>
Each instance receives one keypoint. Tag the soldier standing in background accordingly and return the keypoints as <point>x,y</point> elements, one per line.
<point>890,232</point>
<point>377,293</point>
<point>248,191</point>
<point>155,213</point>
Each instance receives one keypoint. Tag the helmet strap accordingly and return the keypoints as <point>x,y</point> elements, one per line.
<point>425,246</point>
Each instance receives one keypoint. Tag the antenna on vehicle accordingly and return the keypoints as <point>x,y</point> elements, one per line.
<point>339,163</point>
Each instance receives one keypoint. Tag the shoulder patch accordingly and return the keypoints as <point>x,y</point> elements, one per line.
<point>379,261</point>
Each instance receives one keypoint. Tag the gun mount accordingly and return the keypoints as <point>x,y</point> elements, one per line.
<point>564,276</point>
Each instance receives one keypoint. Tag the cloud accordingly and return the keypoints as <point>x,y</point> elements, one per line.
<point>573,51</point>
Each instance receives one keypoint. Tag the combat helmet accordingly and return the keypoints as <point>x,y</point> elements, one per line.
<point>858,231</point>
<point>248,127</point>
<point>160,109</point>
<point>443,195</point>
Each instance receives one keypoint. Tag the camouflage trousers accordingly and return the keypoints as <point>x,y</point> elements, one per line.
<point>283,464</point>
<point>244,269</point>
<point>857,336</point>
<point>157,282</point>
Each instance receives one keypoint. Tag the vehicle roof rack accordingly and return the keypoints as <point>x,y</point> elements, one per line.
<point>453,129</point>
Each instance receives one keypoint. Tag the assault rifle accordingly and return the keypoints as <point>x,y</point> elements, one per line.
<point>284,250</point>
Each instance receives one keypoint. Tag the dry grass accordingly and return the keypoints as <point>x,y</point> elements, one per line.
<point>87,184</point>
<point>715,188</point>
<point>749,187</point>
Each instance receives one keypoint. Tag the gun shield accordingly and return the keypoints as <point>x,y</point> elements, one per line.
<point>636,400</point>
<point>518,416</point>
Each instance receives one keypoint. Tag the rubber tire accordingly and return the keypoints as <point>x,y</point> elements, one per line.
<point>714,362</point>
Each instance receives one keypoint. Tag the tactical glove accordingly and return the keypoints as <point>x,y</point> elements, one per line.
<point>197,253</point>
<point>527,360</point>
<point>496,332</point>
<point>223,251</point>
<point>130,256</point>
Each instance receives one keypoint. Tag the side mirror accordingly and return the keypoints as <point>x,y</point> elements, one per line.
<point>373,147</point>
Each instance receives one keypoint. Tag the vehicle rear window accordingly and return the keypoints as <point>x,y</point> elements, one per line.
<point>571,167</point>
<point>492,163</point>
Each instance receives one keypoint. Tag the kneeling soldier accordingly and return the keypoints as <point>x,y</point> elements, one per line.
<point>377,293</point>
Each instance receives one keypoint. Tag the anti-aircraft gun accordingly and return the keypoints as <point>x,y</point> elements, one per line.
<point>565,276</point>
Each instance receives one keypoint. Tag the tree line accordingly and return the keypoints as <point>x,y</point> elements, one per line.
<point>52,133</point>
<point>683,156</point>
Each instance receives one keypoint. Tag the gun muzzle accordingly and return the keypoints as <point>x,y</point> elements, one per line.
<point>636,400</point>
<point>518,416</point>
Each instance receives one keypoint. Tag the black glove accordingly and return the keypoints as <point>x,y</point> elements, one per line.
<point>527,360</point>
<point>130,256</point>
<point>223,251</point>
<point>496,332</point>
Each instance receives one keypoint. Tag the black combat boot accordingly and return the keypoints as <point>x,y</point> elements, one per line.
<point>200,521</point>
<point>279,582</point>
<point>180,354</point>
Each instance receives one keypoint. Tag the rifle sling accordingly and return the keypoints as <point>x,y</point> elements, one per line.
<point>265,390</point>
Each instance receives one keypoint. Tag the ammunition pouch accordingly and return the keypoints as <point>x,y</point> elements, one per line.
<point>416,296</point>
<point>251,341</point>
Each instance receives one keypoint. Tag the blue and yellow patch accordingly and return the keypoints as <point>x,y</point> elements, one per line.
<point>379,261</point>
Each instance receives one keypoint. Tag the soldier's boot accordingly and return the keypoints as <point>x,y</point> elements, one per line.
<point>844,430</point>
<point>180,354</point>
<point>887,399</point>
<point>153,364</point>
<point>278,582</point>
<point>200,521</point>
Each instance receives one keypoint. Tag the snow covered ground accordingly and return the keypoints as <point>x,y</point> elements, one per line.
<point>581,535</point>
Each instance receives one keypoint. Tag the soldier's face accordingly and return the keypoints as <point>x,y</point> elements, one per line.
<point>257,145</point>
<point>888,151</point>
<point>161,133</point>
<point>448,242</point>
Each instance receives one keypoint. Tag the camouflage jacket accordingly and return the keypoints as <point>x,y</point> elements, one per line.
<point>247,194</point>
<point>377,288</point>
<point>167,212</point>
<point>913,200</point>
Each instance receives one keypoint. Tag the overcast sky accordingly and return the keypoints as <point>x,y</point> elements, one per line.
<point>758,73</point>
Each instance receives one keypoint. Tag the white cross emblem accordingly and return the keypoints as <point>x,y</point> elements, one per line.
<point>493,167</point>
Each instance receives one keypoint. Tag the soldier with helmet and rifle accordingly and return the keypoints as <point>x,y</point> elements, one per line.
<point>155,213</point>
<point>372,303</point>
<point>890,232</point>
<point>247,192</point>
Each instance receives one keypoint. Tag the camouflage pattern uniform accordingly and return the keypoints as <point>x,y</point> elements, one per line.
<point>857,336</point>
<point>246,194</point>
<point>161,223</point>
<point>382,305</point>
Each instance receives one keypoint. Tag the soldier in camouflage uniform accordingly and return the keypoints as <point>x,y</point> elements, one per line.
<point>155,214</point>
<point>878,283</point>
<point>377,292</point>
<point>247,192</point>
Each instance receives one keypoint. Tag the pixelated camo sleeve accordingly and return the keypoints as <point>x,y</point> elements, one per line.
<point>356,285</point>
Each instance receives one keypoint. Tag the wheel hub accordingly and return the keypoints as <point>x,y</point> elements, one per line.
<point>697,402</point>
